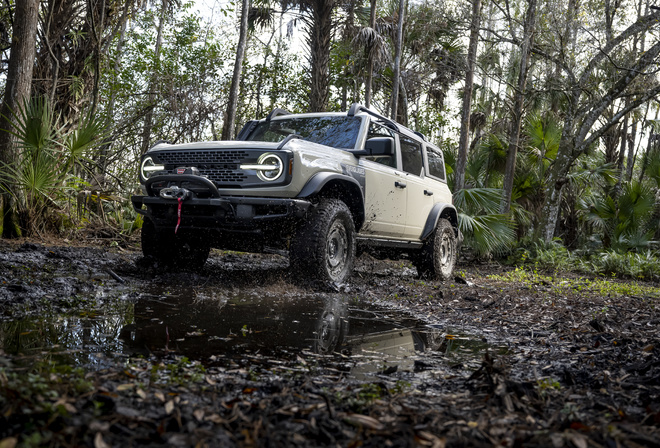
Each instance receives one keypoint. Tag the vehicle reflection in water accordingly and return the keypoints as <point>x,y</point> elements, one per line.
<point>227,328</point>
<point>230,330</point>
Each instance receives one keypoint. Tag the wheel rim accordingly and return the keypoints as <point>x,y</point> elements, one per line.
<point>328,332</point>
<point>446,251</point>
<point>336,249</point>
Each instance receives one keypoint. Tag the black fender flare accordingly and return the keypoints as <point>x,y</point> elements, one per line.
<point>441,210</point>
<point>336,185</point>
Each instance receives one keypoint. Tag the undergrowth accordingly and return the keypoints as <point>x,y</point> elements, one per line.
<point>554,257</point>
<point>559,283</point>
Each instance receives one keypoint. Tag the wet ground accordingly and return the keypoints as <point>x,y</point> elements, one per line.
<point>99,349</point>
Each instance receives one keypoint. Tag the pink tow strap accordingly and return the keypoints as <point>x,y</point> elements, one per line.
<point>178,215</point>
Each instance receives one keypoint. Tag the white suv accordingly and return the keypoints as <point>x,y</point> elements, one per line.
<point>319,187</point>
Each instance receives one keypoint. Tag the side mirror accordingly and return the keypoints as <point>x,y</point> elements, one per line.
<point>380,146</point>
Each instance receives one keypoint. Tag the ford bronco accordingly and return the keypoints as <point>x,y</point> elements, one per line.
<point>320,187</point>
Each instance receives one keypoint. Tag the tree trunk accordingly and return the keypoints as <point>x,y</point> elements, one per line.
<point>631,145</point>
<point>151,103</point>
<point>228,129</point>
<point>630,163</point>
<point>17,91</point>
<point>397,61</point>
<point>518,106</point>
<point>370,58</point>
<point>461,162</point>
<point>319,39</point>
<point>97,31</point>
<point>348,33</point>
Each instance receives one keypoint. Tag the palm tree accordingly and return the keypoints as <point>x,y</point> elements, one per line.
<point>317,15</point>
<point>467,95</point>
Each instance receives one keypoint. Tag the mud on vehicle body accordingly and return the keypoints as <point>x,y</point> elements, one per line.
<point>321,188</point>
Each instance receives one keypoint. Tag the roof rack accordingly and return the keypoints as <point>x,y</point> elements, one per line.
<point>276,113</point>
<point>357,107</point>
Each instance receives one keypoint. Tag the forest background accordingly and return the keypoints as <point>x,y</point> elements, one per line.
<point>547,110</point>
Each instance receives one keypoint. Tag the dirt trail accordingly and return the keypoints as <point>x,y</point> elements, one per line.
<point>581,366</point>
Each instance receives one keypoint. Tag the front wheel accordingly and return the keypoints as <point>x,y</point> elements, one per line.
<point>324,245</point>
<point>437,258</point>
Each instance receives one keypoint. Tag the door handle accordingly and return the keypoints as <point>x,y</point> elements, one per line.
<point>428,192</point>
<point>399,184</point>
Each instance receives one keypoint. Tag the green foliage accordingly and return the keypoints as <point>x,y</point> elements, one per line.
<point>555,257</point>
<point>47,152</point>
<point>181,371</point>
<point>360,399</point>
<point>546,385</point>
<point>552,256</point>
<point>624,222</point>
<point>44,393</point>
<point>485,231</point>
<point>642,266</point>
<point>532,277</point>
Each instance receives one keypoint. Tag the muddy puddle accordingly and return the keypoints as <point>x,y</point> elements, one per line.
<point>232,329</point>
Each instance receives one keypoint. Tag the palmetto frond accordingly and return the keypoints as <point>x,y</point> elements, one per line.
<point>35,126</point>
<point>593,172</point>
<point>484,228</point>
<point>543,133</point>
<point>626,222</point>
<point>478,200</point>
<point>88,134</point>
<point>487,234</point>
<point>47,151</point>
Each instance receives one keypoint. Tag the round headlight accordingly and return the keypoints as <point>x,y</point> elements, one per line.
<point>270,160</point>
<point>148,168</point>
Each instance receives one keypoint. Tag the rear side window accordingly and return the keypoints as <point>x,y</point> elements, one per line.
<point>436,163</point>
<point>411,156</point>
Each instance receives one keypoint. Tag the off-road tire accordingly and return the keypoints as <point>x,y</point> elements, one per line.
<point>165,248</point>
<point>154,245</point>
<point>323,247</point>
<point>437,258</point>
<point>192,251</point>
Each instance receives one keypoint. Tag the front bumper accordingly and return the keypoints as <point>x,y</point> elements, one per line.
<point>227,213</point>
<point>204,207</point>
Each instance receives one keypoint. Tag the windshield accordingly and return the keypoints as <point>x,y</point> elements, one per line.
<point>338,132</point>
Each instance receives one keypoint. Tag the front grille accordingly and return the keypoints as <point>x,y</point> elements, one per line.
<point>221,167</point>
<point>188,158</point>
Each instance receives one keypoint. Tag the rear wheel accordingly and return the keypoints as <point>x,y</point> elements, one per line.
<point>437,258</point>
<point>165,248</point>
<point>324,246</point>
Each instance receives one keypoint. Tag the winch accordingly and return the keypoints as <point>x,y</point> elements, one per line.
<point>175,192</point>
<point>178,193</point>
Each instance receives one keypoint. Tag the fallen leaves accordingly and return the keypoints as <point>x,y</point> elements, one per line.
<point>363,421</point>
<point>9,442</point>
<point>125,387</point>
<point>99,442</point>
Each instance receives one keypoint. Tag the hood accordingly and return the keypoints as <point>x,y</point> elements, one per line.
<point>215,145</point>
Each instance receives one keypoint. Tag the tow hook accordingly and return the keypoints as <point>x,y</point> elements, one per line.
<point>174,192</point>
<point>178,193</point>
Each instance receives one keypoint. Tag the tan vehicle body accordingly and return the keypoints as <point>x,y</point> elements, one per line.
<point>370,183</point>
